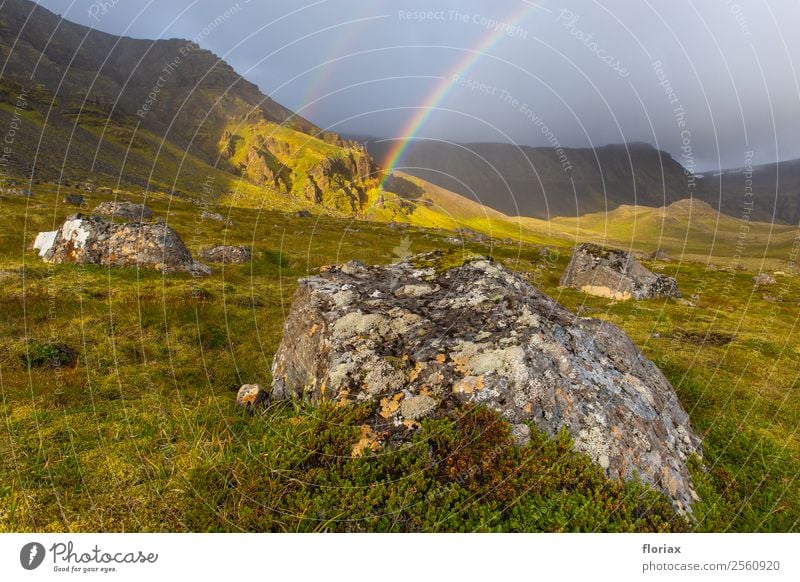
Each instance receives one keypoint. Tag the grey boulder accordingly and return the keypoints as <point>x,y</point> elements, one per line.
<point>94,240</point>
<point>416,339</point>
<point>614,274</point>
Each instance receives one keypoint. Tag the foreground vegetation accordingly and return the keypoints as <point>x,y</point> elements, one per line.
<point>142,434</point>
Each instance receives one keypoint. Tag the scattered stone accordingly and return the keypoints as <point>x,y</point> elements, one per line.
<point>482,335</point>
<point>454,240</point>
<point>251,395</point>
<point>74,199</point>
<point>474,235</point>
<point>215,216</point>
<point>303,214</point>
<point>763,279</point>
<point>614,274</point>
<point>659,255</point>
<point>17,192</point>
<point>229,255</point>
<point>521,433</point>
<point>97,241</point>
<point>125,210</point>
<point>547,252</point>
<point>711,267</point>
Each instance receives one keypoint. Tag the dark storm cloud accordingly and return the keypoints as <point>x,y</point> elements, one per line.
<point>707,81</point>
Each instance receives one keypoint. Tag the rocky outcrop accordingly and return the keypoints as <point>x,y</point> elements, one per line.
<point>614,274</point>
<point>126,210</point>
<point>415,339</point>
<point>229,255</point>
<point>94,240</point>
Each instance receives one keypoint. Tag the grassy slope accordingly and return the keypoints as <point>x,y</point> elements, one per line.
<point>144,435</point>
<point>690,229</point>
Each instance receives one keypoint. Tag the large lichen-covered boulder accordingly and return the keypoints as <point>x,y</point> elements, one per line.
<point>416,339</point>
<point>615,274</point>
<point>94,240</point>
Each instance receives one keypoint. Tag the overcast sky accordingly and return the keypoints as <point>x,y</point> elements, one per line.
<point>717,78</point>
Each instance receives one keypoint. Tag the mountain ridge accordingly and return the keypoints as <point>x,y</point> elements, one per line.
<point>508,176</point>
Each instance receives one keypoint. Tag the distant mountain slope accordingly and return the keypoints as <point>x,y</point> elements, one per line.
<point>172,87</point>
<point>775,191</point>
<point>166,114</point>
<point>533,182</point>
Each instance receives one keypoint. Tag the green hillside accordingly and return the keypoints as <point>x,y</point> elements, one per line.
<point>143,433</point>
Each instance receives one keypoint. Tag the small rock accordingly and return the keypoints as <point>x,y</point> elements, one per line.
<point>659,255</point>
<point>251,395</point>
<point>125,210</point>
<point>521,433</point>
<point>764,279</point>
<point>229,255</point>
<point>74,199</point>
<point>352,267</point>
<point>216,217</point>
<point>303,214</point>
<point>453,240</point>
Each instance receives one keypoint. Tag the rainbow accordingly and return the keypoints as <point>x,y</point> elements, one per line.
<point>445,86</point>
